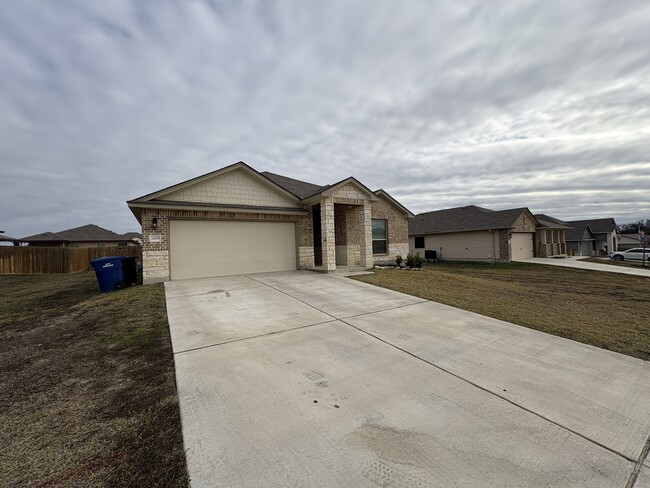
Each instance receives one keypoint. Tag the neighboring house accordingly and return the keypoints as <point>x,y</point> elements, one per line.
<point>592,237</point>
<point>550,238</point>
<point>237,220</point>
<point>133,236</point>
<point>85,236</point>
<point>474,234</point>
<point>629,241</point>
<point>8,241</point>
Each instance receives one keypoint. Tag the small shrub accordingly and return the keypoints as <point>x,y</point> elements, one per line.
<point>414,260</point>
<point>398,260</point>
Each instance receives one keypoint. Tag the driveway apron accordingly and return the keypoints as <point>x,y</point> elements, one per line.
<point>304,379</point>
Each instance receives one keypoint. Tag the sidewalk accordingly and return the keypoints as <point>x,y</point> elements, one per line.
<point>576,262</point>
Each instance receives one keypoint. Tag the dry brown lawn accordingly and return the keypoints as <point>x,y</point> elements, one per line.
<point>607,310</point>
<point>87,387</point>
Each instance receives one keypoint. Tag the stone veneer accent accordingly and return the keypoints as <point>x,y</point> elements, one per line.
<point>504,245</point>
<point>348,234</point>
<point>365,223</point>
<point>233,188</point>
<point>328,233</point>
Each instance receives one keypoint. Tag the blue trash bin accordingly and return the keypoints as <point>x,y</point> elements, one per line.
<point>109,272</point>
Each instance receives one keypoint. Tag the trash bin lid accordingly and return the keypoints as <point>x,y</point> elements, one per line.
<point>107,262</point>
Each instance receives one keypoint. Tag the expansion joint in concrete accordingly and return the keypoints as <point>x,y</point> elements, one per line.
<point>537,414</point>
<point>639,464</point>
<point>254,336</point>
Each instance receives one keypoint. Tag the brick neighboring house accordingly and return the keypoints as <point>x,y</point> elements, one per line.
<point>237,220</point>
<point>85,236</point>
<point>592,237</point>
<point>474,234</point>
<point>550,238</point>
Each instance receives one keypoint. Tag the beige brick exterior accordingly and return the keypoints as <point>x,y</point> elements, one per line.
<point>398,230</point>
<point>345,221</point>
<point>233,188</point>
<point>155,255</point>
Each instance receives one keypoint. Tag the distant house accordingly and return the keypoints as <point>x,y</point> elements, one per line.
<point>85,236</point>
<point>474,234</point>
<point>8,241</point>
<point>628,241</point>
<point>592,237</point>
<point>550,237</point>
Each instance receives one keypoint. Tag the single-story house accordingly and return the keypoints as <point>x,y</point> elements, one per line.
<point>8,241</point>
<point>474,234</point>
<point>629,241</point>
<point>85,236</point>
<point>592,237</point>
<point>550,237</point>
<point>237,220</point>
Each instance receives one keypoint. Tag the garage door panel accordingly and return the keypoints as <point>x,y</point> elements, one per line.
<point>215,248</point>
<point>521,245</point>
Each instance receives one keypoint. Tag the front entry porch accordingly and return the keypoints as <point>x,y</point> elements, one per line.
<point>342,234</point>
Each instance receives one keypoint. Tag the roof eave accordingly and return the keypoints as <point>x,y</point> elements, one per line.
<point>137,207</point>
<point>384,193</point>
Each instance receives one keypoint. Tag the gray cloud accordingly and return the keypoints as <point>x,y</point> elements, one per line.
<point>545,105</point>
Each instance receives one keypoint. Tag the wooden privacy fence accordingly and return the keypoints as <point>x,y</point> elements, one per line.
<point>51,260</point>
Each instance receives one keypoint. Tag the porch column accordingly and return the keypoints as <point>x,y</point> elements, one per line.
<point>328,235</point>
<point>365,225</point>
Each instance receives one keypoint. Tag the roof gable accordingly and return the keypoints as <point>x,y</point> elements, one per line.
<point>579,232</point>
<point>229,185</point>
<point>331,190</point>
<point>598,226</point>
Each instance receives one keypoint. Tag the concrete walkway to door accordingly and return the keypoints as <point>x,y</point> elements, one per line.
<point>579,263</point>
<point>305,379</point>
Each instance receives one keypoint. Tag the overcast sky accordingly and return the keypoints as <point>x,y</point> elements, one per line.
<point>542,104</point>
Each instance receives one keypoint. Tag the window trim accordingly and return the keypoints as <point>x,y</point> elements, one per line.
<point>384,240</point>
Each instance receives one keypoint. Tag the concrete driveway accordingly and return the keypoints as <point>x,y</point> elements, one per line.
<point>304,379</point>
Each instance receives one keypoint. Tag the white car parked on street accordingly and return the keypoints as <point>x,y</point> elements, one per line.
<point>634,254</point>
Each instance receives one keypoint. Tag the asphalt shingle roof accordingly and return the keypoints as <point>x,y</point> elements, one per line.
<point>598,226</point>
<point>551,222</point>
<point>463,219</point>
<point>301,189</point>
<point>84,233</point>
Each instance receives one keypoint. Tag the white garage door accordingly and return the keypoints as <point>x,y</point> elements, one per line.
<point>199,248</point>
<point>521,245</point>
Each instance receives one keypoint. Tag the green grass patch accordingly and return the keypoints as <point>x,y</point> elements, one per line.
<point>88,384</point>
<point>606,310</point>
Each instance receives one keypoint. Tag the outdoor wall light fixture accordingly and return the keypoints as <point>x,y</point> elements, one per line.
<point>154,222</point>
